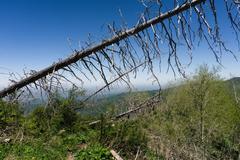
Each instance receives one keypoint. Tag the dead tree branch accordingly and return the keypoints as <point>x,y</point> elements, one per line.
<point>92,50</point>
<point>149,103</point>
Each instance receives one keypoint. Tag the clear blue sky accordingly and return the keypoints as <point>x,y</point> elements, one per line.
<point>34,33</point>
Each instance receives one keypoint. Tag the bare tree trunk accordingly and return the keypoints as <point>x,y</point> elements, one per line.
<point>105,43</point>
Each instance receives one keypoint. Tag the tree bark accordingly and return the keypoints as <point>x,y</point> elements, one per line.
<point>105,43</point>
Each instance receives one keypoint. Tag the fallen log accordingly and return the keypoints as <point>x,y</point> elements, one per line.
<point>145,104</point>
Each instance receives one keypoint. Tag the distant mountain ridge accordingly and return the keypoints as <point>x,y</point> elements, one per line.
<point>103,101</point>
<point>235,80</point>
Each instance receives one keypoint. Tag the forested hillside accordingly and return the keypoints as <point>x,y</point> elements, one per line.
<point>196,120</point>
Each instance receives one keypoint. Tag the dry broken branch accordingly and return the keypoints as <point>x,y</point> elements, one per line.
<point>150,103</point>
<point>115,155</point>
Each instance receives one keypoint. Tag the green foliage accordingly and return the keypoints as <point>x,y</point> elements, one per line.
<point>72,140</point>
<point>128,136</point>
<point>38,121</point>
<point>31,150</point>
<point>94,152</point>
<point>51,132</point>
<point>3,151</point>
<point>200,116</point>
<point>10,113</point>
<point>132,136</point>
<point>60,115</point>
<point>200,113</point>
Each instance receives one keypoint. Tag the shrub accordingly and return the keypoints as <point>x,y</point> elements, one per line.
<point>94,152</point>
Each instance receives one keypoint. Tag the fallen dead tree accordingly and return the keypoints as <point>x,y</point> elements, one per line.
<point>172,27</point>
<point>150,103</point>
<point>80,55</point>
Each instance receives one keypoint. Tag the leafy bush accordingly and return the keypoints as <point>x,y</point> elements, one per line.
<point>201,116</point>
<point>94,152</point>
<point>31,150</point>
<point>128,136</point>
<point>10,113</point>
<point>4,149</point>
<point>72,140</point>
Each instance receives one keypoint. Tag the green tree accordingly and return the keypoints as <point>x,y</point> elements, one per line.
<point>201,116</point>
